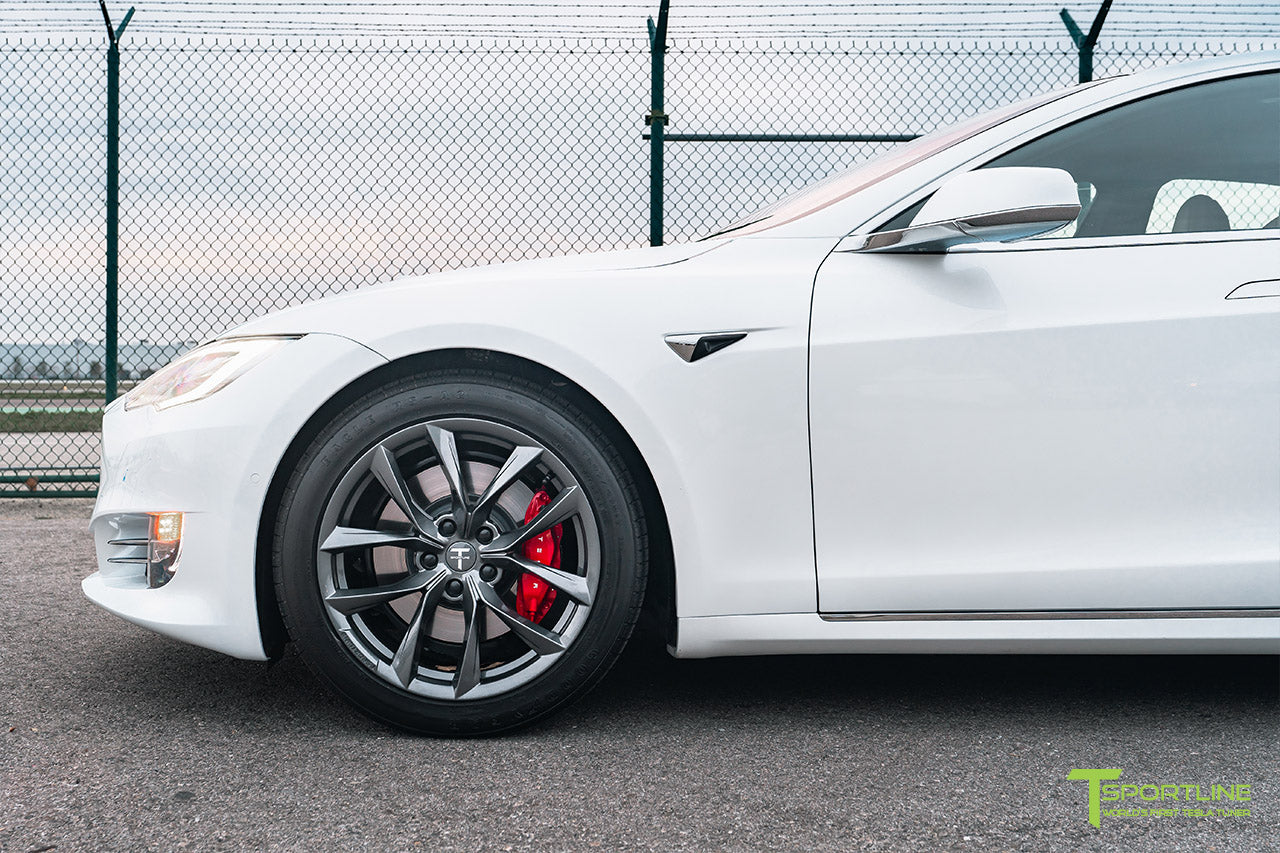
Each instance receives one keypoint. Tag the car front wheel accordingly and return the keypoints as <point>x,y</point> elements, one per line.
<point>461,553</point>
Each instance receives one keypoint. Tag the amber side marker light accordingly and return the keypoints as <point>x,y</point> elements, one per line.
<point>164,542</point>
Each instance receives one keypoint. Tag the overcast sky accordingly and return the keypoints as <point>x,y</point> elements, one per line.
<point>259,178</point>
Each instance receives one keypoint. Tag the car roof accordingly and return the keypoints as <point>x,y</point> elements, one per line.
<point>1257,60</point>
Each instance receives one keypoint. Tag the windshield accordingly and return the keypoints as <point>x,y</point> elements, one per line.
<point>841,185</point>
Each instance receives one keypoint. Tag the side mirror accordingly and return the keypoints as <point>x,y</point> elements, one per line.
<point>1002,204</point>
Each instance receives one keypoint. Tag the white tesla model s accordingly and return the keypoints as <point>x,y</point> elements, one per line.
<point>1012,387</point>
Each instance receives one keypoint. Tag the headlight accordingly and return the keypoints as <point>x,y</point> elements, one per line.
<point>202,371</point>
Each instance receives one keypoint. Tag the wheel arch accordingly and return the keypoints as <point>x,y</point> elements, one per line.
<point>659,612</point>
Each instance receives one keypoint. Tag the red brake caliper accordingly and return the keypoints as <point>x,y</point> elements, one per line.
<point>534,596</point>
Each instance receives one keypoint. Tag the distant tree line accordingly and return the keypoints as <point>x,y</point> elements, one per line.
<point>83,360</point>
<point>20,368</point>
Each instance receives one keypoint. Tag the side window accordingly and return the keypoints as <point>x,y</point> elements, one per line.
<point>1198,159</point>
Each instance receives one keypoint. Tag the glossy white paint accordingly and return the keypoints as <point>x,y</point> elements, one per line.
<point>693,423</point>
<point>985,205</point>
<point>1256,289</point>
<point>809,634</point>
<point>1047,428</point>
<point>994,190</point>
<point>937,383</point>
<point>212,460</point>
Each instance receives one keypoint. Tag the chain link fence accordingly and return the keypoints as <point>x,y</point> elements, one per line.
<point>259,174</point>
<point>873,88</point>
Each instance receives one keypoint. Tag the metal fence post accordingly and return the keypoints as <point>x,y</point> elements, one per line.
<point>114,35</point>
<point>657,119</point>
<point>1084,43</point>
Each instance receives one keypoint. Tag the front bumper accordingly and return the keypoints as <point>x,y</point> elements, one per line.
<point>213,460</point>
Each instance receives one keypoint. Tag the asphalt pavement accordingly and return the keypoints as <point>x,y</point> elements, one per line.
<point>113,738</point>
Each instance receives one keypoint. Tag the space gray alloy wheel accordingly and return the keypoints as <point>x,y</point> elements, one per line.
<point>460,554</point>
<point>442,547</point>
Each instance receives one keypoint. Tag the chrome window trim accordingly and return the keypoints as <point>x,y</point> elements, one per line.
<point>855,242</point>
<point>1040,244</point>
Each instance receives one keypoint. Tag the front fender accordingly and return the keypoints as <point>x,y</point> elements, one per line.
<point>725,437</point>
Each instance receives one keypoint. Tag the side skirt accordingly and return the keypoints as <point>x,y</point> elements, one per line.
<point>1051,632</point>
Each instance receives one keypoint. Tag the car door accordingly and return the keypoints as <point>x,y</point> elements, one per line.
<point>1088,421</point>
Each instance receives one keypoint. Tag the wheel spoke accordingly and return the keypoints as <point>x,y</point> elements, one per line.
<point>389,504</point>
<point>574,586</point>
<point>563,506</point>
<point>387,472</point>
<point>468,675</point>
<point>534,636</point>
<point>350,538</point>
<point>446,445</point>
<point>520,459</point>
<point>348,601</point>
<point>405,662</point>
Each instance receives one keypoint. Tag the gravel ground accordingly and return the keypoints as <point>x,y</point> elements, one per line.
<point>113,738</point>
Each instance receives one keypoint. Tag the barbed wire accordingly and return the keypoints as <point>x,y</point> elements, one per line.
<point>275,6</point>
<point>690,19</point>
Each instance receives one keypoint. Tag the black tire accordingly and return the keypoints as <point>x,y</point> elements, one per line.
<point>613,549</point>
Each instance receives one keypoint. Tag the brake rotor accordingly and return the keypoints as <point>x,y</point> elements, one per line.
<point>390,563</point>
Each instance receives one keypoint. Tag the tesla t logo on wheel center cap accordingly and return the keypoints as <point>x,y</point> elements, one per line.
<point>461,556</point>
